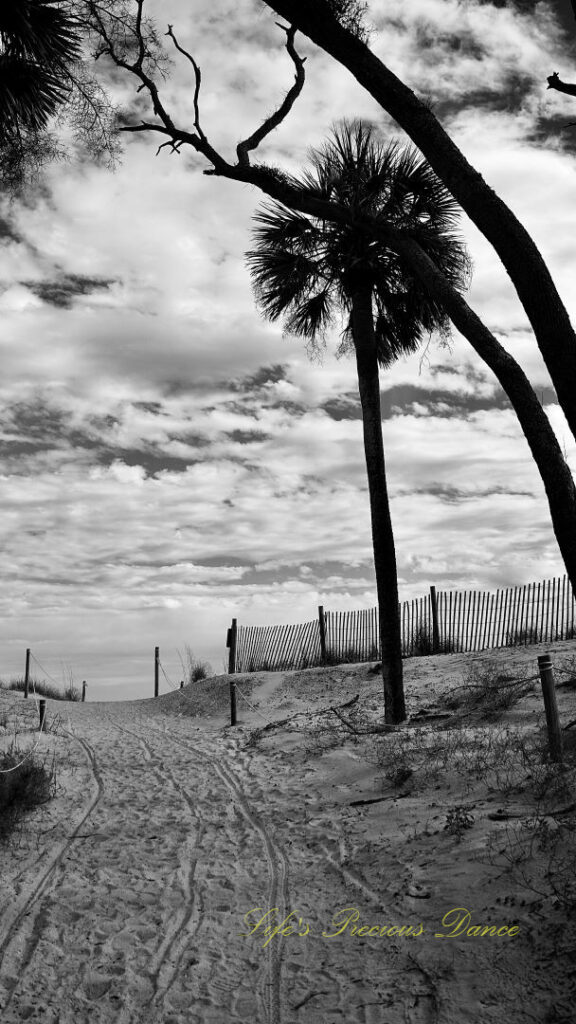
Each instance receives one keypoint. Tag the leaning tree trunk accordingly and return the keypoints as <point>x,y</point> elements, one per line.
<point>553,468</point>
<point>382,535</point>
<point>517,250</point>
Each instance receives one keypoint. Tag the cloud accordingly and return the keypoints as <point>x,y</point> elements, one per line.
<point>168,460</point>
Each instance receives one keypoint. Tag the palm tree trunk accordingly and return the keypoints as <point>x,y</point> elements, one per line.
<point>517,250</point>
<point>382,535</point>
<point>554,471</point>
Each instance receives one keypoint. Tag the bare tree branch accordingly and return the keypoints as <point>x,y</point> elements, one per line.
<point>285,107</point>
<point>197,77</point>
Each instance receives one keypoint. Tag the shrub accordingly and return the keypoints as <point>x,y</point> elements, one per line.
<point>458,819</point>
<point>25,783</point>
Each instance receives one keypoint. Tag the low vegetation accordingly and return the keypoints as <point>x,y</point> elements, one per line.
<point>26,781</point>
<point>193,669</point>
<point>41,688</point>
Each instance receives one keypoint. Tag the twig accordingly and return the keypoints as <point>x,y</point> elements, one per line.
<point>322,711</point>
<point>197,78</point>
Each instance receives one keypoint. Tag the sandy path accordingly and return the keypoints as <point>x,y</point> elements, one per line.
<point>128,896</point>
<point>132,911</point>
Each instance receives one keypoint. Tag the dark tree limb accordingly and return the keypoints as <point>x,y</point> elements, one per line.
<point>275,119</point>
<point>554,82</point>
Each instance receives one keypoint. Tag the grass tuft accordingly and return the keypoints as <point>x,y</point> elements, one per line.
<point>44,689</point>
<point>25,783</point>
<point>193,669</point>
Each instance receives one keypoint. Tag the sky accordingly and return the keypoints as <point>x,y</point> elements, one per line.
<point>168,459</point>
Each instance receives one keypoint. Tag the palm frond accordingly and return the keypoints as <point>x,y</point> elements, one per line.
<point>39,31</point>
<point>311,317</point>
<point>29,94</point>
<point>278,226</point>
<point>281,279</point>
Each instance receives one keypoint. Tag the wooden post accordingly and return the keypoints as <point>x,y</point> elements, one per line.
<point>83,689</point>
<point>435,625</point>
<point>232,702</point>
<point>156,669</point>
<point>42,709</point>
<point>552,719</point>
<point>181,684</point>
<point>322,627</point>
<point>231,643</point>
<point>27,673</point>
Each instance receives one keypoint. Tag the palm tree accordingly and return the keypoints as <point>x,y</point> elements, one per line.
<point>307,272</point>
<point>39,42</point>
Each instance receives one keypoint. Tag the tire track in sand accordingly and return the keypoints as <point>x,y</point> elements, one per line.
<point>185,922</point>
<point>269,988</point>
<point>22,921</point>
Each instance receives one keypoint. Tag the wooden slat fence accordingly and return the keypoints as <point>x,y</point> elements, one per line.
<point>466,621</point>
<point>278,648</point>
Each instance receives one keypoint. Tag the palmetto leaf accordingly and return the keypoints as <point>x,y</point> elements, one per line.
<point>311,316</point>
<point>29,95</point>
<point>38,41</point>
<point>281,279</point>
<point>38,31</point>
<point>278,226</point>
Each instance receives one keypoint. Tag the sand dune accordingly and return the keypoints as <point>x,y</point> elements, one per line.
<point>136,894</point>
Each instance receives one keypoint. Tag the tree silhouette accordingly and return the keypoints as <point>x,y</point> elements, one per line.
<point>305,269</point>
<point>338,27</point>
<point>42,72</point>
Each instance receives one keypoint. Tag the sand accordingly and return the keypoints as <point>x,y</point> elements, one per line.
<point>141,892</point>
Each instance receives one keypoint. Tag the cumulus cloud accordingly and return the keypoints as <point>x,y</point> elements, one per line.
<point>168,459</point>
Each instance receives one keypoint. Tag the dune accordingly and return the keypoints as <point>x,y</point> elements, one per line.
<point>306,866</point>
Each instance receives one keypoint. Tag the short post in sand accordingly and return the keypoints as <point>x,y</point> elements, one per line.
<point>551,708</point>
<point>181,684</point>
<point>27,673</point>
<point>435,624</point>
<point>156,670</point>
<point>83,689</point>
<point>231,645</point>
<point>322,628</point>
<point>42,710</point>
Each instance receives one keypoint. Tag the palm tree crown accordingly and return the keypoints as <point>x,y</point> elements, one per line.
<point>38,41</point>
<point>304,269</point>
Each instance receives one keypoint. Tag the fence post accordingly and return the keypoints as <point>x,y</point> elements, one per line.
<point>156,669</point>
<point>83,689</point>
<point>27,673</point>
<point>181,684</point>
<point>42,710</point>
<point>435,625</point>
<point>551,707</point>
<point>232,702</point>
<point>322,626</point>
<point>231,644</point>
